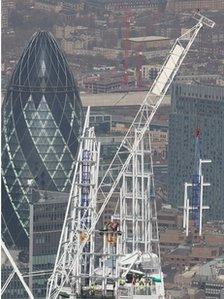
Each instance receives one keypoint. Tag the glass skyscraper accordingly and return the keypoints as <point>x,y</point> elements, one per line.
<point>41,122</point>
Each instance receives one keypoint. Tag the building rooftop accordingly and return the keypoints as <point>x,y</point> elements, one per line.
<point>106,80</point>
<point>191,272</point>
<point>200,91</point>
<point>212,270</point>
<point>148,38</point>
<point>117,99</point>
<point>181,250</point>
<point>49,197</point>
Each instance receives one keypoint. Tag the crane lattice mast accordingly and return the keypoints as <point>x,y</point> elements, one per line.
<point>112,178</point>
<point>138,218</point>
<point>79,216</point>
<point>197,191</point>
<point>137,211</point>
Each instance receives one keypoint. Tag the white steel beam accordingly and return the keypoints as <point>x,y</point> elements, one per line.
<point>15,271</point>
<point>10,277</point>
<point>80,213</point>
<point>141,122</point>
<point>187,208</point>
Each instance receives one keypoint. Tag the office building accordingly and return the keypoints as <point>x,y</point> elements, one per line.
<point>179,6</point>
<point>41,122</point>
<point>48,211</point>
<point>197,106</point>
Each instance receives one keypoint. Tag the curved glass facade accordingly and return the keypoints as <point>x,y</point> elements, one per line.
<point>41,122</point>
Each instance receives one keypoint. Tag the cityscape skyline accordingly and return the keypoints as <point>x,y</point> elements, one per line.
<point>59,58</point>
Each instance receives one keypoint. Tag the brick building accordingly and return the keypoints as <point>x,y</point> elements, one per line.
<point>148,43</point>
<point>103,84</point>
<point>184,255</point>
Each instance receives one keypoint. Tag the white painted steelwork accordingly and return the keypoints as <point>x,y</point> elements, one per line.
<point>113,176</point>
<point>80,215</point>
<point>187,207</point>
<point>14,271</point>
<point>139,240</point>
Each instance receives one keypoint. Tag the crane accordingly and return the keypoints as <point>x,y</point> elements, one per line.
<point>197,188</point>
<point>112,178</point>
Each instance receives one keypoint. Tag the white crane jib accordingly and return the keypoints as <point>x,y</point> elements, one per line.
<point>140,124</point>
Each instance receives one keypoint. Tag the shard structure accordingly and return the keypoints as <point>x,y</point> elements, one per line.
<point>41,122</point>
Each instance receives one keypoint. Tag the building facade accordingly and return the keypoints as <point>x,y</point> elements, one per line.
<point>48,212</point>
<point>124,4</point>
<point>179,6</point>
<point>209,277</point>
<point>189,256</point>
<point>103,84</point>
<point>41,123</point>
<point>5,15</point>
<point>149,43</point>
<point>197,106</point>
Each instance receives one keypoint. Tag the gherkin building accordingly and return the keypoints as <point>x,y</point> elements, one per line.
<point>41,121</point>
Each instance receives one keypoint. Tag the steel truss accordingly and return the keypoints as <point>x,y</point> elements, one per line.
<point>80,215</point>
<point>113,176</point>
<point>15,271</point>
<point>132,233</point>
<point>138,216</point>
<point>135,233</point>
<point>137,205</point>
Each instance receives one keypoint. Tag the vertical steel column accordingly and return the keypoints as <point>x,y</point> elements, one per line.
<point>137,203</point>
<point>80,214</point>
<point>31,247</point>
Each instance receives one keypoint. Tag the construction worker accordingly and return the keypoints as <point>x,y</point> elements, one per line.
<point>141,286</point>
<point>148,286</point>
<point>137,282</point>
<point>106,226</point>
<point>114,225</point>
<point>121,281</point>
<point>137,287</point>
<point>92,290</point>
<point>133,279</point>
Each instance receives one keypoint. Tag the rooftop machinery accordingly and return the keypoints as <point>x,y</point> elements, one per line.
<point>197,188</point>
<point>71,247</point>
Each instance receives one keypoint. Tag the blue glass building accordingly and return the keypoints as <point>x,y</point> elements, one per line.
<point>41,122</point>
